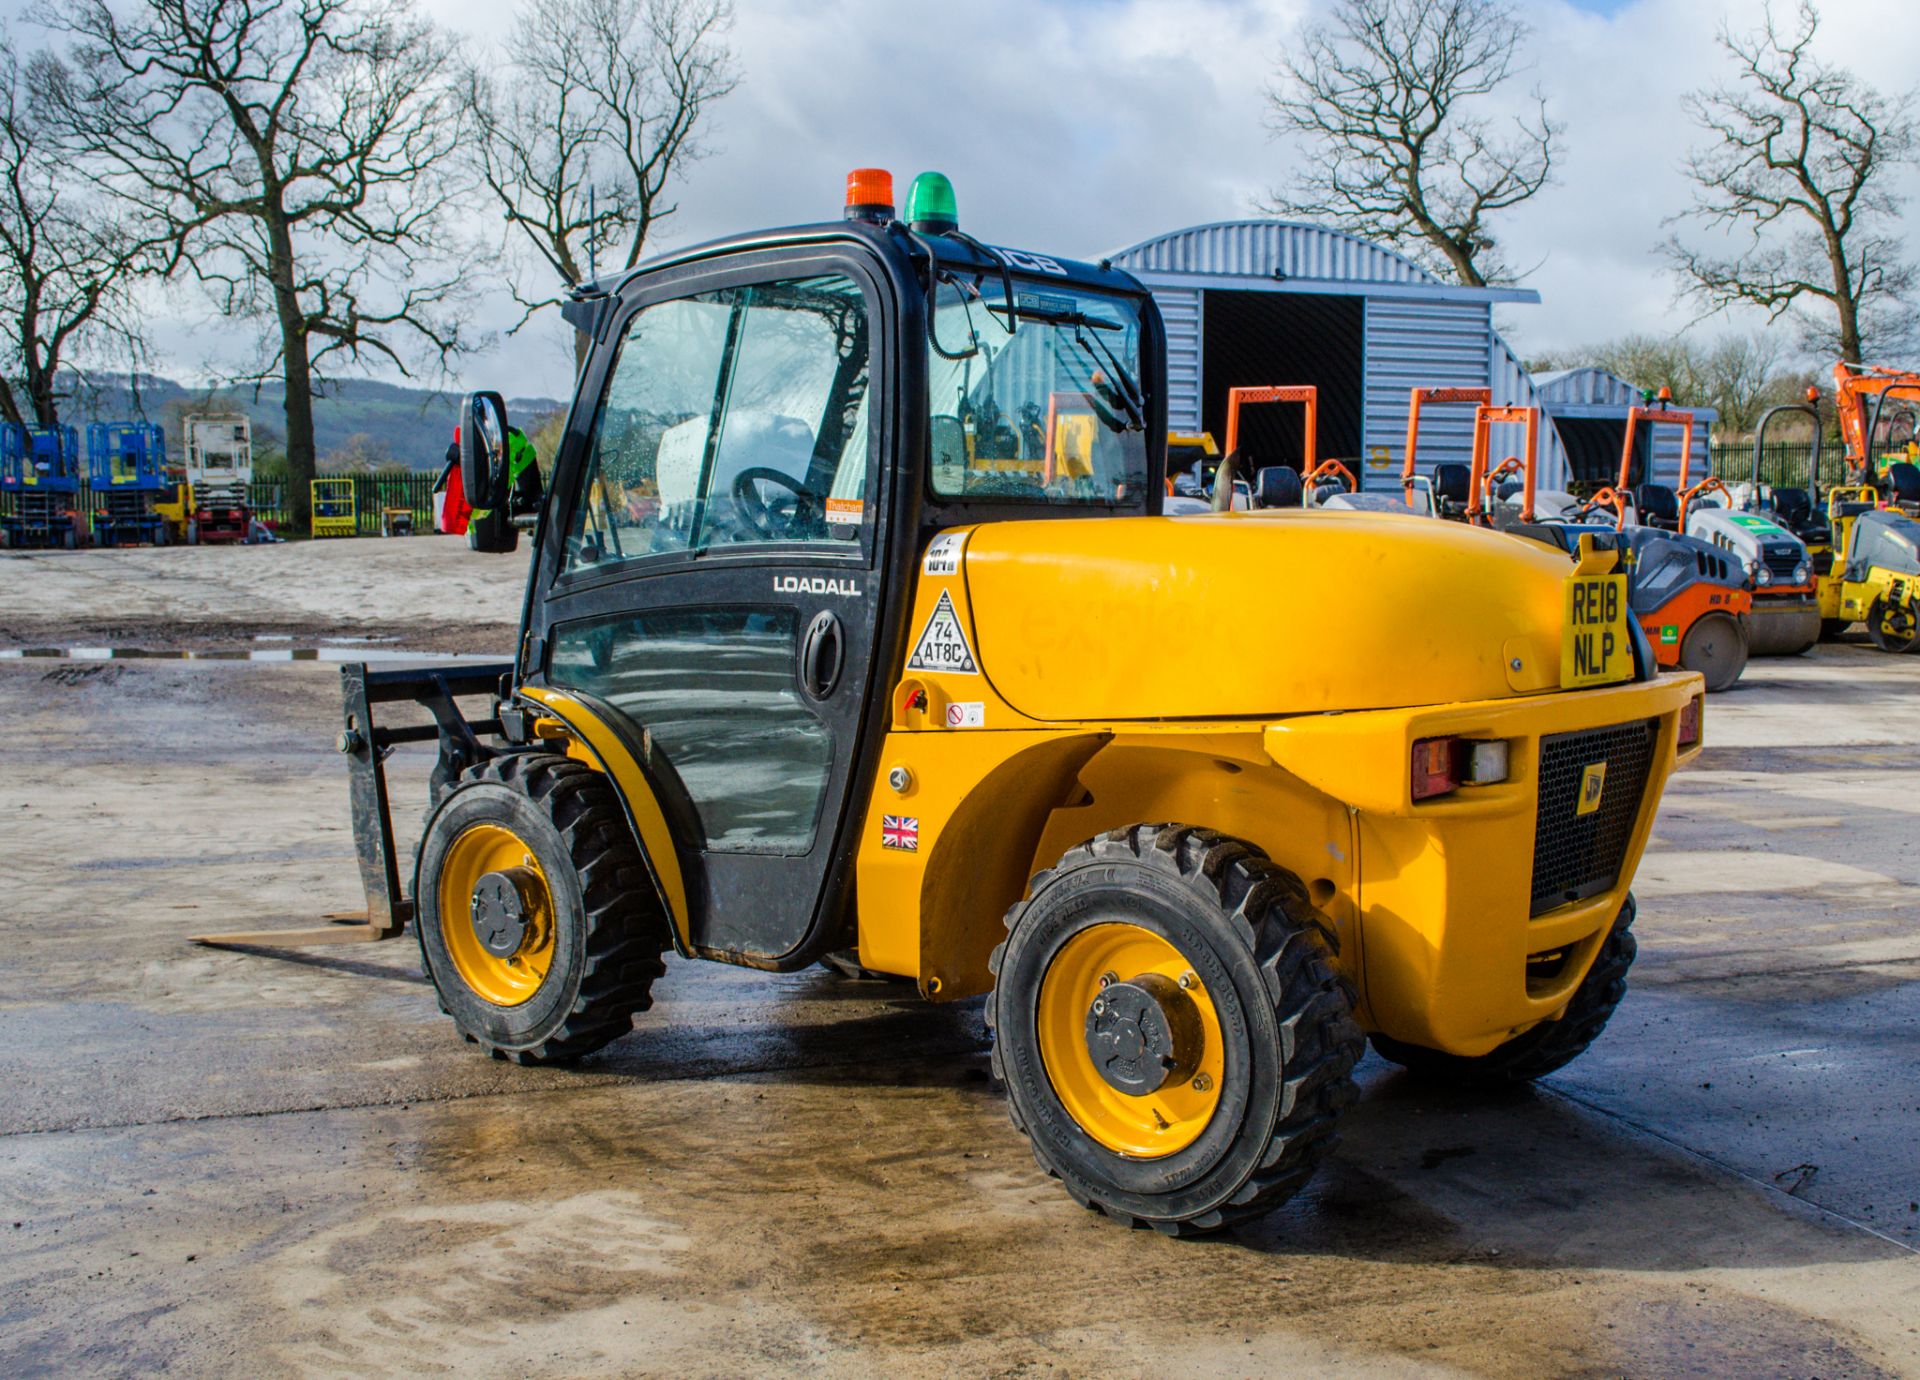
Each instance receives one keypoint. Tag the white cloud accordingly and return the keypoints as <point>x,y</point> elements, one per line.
<point>1079,126</point>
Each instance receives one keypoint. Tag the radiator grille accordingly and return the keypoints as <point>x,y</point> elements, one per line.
<point>1576,856</point>
<point>1781,560</point>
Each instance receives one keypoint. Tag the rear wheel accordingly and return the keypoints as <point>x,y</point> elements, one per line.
<point>1717,648</point>
<point>1892,626</point>
<point>1172,1038</point>
<point>1551,1044</point>
<point>536,916</point>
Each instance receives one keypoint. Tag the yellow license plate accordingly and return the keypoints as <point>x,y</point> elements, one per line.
<point>1596,647</point>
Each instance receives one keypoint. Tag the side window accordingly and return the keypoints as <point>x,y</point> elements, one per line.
<point>728,731</point>
<point>735,416</point>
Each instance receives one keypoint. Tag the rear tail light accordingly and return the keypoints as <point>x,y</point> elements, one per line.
<point>1434,770</point>
<point>1690,717</point>
<point>1443,765</point>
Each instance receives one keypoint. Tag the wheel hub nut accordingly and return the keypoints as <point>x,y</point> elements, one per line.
<point>1143,1034</point>
<point>502,910</point>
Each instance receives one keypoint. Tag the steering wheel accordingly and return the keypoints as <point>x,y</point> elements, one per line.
<point>782,520</point>
<point>1608,498</point>
<point>1330,468</point>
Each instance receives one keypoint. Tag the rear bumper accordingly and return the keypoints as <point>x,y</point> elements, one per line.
<point>1452,955</point>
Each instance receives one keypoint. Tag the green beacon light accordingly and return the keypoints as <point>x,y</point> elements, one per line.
<point>931,208</point>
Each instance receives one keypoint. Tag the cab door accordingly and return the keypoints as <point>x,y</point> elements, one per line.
<point>709,578</point>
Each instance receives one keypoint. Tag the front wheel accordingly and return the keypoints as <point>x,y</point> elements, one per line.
<point>1716,647</point>
<point>1548,1046</point>
<point>1172,1037</point>
<point>1892,626</point>
<point>536,917</point>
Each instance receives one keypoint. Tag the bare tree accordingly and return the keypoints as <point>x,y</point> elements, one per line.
<point>67,262</point>
<point>295,149</point>
<point>1386,97</point>
<point>1793,171</point>
<point>1738,376</point>
<point>586,126</point>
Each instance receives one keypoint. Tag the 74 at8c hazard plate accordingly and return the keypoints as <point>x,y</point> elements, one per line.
<point>1596,647</point>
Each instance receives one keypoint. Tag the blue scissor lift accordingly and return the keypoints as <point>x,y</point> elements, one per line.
<point>40,481</point>
<point>127,473</point>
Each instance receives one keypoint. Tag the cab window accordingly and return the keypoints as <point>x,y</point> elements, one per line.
<point>730,418</point>
<point>1043,408</point>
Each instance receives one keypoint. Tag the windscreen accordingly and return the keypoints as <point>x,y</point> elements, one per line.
<point>1042,404</point>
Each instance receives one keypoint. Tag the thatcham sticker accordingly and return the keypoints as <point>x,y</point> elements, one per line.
<point>815,584</point>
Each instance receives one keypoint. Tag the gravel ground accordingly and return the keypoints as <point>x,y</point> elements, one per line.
<point>287,1163</point>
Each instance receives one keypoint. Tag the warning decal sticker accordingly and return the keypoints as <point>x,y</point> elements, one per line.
<point>943,554</point>
<point>942,645</point>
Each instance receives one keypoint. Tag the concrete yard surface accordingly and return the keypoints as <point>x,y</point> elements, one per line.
<point>288,1163</point>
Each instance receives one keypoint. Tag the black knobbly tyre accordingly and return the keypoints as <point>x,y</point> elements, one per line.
<point>538,923</point>
<point>1551,1044</point>
<point>1172,1037</point>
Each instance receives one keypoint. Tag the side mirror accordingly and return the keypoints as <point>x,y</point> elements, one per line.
<point>483,449</point>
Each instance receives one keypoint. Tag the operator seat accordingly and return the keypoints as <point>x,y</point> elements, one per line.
<point>1794,508</point>
<point>1277,486</point>
<point>1659,506</point>
<point>1902,482</point>
<point>1450,482</point>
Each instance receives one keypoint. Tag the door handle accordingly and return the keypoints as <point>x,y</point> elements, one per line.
<point>823,653</point>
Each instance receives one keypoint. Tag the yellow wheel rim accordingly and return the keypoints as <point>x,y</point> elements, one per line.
<point>509,979</point>
<point>1148,1126</point>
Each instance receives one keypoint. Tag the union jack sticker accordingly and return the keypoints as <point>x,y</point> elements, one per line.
<point>901,832</point>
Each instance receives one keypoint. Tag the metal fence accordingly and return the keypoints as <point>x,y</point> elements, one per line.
<point>1787,466</point>
<point>372,493</point>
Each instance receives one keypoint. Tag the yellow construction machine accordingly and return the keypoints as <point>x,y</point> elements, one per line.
<point>1009,733</point>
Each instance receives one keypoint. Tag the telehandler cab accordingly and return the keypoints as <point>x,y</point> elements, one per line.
<point>891,671</point>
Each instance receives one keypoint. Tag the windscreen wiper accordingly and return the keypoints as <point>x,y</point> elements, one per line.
<point>1127,387</point>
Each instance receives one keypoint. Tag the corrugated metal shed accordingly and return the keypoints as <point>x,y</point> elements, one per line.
<point>1415,330</point>
<point>1596,401</point>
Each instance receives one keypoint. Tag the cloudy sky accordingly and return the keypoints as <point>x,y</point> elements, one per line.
<point>1080,126</point>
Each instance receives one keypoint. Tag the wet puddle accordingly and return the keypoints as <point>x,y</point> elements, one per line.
<point>331,653</point>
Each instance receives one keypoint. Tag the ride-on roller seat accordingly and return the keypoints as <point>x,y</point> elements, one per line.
<point>1794,508</point>
<point>1276,486</point>
<point>1451,480</point>
<point>1659,506</point>
<point>1902,482</point>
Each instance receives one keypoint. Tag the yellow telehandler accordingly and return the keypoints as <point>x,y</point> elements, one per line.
<point>867,665</point>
